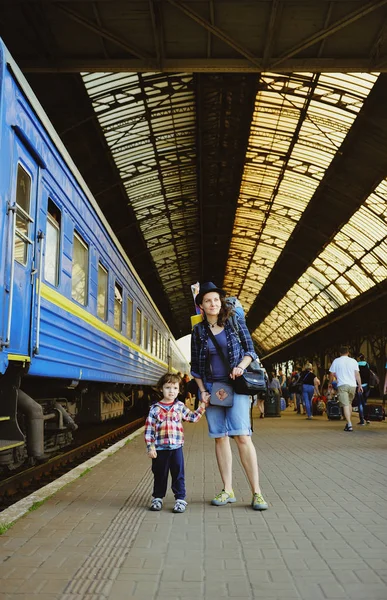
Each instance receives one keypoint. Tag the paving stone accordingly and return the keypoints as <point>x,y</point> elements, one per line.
<point>98,541</point>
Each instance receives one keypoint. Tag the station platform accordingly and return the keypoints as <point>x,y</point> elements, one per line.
<point>323,537</point>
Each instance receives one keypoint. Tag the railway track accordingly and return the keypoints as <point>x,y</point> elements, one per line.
<point>18,486</point>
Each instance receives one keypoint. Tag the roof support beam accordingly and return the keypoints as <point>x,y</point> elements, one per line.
<point>219,33</point>
<point>104,33</point>
<point>327,31</point>
<point>270,31</point>
<point>157,29</point>
<point>198,65</point>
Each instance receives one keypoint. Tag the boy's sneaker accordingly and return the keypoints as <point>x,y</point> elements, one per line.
<point>156,504</point>
<point>258,502</point>
<point>223,498</point>
<point>180,506</point>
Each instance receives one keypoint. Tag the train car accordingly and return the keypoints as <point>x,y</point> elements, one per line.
<point>79,332</point>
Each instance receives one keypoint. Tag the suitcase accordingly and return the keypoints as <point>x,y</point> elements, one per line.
<point>374,412</point>
<point>282,403</point>
<point>333,410</point>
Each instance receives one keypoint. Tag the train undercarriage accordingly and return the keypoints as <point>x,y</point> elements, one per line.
<point>38,416</point>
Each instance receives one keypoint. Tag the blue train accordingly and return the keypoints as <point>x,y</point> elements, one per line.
<point>79,333</point>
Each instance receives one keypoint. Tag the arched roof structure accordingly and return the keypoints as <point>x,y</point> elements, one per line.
<point>240,142</point>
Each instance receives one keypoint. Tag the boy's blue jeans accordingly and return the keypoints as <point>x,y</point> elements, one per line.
<point>169,461</point>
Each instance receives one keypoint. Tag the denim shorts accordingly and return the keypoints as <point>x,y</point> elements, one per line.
<point>229,421</point>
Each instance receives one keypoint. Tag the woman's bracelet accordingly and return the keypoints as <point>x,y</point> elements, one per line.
<point>203,391</point>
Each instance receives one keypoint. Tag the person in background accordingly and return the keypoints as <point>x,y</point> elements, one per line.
<point>346,371</point>
<point>259,401</point>
<point>296,396</point>
<point>310,387</point>
<point>281,378</point>
<point>164,438</point>
<point>186,393</point>
<point>364,370</point>
<point>274,384</point>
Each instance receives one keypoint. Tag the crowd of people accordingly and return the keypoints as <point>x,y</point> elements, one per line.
<point>221,350</point>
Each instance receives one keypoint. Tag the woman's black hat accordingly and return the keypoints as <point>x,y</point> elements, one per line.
<point>205,288</point>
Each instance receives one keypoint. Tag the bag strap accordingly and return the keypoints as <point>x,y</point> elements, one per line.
<point>220,351</point>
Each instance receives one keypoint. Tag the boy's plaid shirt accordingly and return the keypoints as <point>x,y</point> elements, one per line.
<point>238,345</point>
<point>164,427</point>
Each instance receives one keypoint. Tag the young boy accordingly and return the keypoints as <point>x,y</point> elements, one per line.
<point>164,438</point>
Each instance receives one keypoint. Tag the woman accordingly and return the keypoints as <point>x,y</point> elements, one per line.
<point>274,385</point>
<point>207,367</point>
<point>310,387</point>
<point>362,397</point>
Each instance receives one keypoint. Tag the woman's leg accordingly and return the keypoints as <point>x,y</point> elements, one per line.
<point>249,461</point>
<point>261,407</point>
<point>307,398</point>
<point>224,459</point>
<point>360,404</point>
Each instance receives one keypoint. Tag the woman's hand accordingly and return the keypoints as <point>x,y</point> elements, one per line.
<point>236,372</point>
<point>205,397</point>
<point>152,453</point>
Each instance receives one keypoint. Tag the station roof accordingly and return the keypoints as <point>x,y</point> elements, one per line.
<point>228,141</point>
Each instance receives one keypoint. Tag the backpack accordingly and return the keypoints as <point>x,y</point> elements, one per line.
<point>374,379</point>
<point>236,305</point>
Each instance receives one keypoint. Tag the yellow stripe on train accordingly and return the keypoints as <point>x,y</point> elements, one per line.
<point>62,302</point>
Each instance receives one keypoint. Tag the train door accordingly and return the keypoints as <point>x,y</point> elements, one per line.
<point>22,269</point>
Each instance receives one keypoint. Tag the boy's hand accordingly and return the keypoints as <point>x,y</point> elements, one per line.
<point>205,403</point>
<point>152,453</point>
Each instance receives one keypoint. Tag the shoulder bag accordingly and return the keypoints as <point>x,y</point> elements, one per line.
<point>222,394</point>
<point>248,384</point>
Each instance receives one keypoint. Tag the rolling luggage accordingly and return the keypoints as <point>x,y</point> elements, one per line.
<point>333,410</point>
<point>374,412</point>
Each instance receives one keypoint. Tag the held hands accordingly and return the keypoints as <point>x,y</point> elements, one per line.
<point>152,453</point>
<point>236,372</point>
<point>205,398</point>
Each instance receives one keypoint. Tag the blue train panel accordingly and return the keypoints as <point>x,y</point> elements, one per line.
<point>71,303</point>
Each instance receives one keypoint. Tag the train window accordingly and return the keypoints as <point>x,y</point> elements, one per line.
<point>155,342</point>
<point>102,295</point>
<point>23,219</point>
<point>117,307</point>
<point>160,347</point>
<point>145,333</point>
<point>151,338</point>
<point>80,270</point>
<point>129,318</point>
<point>51,259</point>
<point>138,326</point>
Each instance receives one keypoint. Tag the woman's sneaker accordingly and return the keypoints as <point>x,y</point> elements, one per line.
<point>223,498</point>
<point>258,502</point>
<point>156,504</point>
<point>180,506</point>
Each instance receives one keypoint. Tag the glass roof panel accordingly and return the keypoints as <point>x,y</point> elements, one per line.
<point>351,264</point>
<point>149,124</point>
<point>299,122</point>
